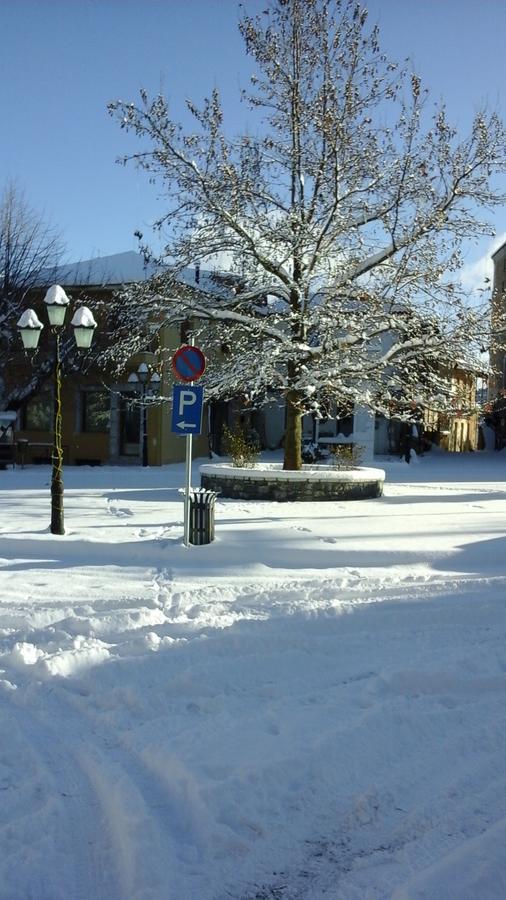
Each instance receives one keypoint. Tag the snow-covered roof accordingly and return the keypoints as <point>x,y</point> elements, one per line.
<point>102,271</point>
<point>115,270</point>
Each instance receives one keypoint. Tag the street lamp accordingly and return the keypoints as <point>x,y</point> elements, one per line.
<point>30,327</point>
<point>149,387</point>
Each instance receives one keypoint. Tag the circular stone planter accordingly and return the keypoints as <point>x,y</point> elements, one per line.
<point>269,481</point>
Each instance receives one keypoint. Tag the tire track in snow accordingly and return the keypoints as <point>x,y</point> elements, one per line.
<point>126,812</point>
<point>78,866</point>
<point>193,606</point>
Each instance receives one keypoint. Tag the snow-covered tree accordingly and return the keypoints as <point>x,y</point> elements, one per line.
<point>29,249</point>
<point>339,216</point>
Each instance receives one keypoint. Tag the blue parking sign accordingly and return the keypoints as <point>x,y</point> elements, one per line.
<point>187,403</point>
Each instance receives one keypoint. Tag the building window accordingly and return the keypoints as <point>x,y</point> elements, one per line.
<point>95,411</point>
<point>38,413</point>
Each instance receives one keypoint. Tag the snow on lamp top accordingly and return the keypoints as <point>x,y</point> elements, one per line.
<point>144,375</point>
<point>56,301</point>
<point>56,296</point>
<point>143,372</point>
<point>83,318</point>
<point>30,328</point>
<point>30,319</point>
<point>84,325</point>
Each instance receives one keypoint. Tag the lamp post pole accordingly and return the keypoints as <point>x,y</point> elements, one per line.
<point>188,477</point>
<point>30,328</point>
<point>144,427</point>
<point>148,383</point>
<point>57,519</point>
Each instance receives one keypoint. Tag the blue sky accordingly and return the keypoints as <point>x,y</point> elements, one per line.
<point>62,61</point>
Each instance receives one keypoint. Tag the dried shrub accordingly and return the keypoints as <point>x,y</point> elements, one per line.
<point>347,456</point>
<point>242,445</point>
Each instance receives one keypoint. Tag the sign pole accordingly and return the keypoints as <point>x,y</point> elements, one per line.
<point>188,365</point>
<point>188,472</point>
<point>188,478</point>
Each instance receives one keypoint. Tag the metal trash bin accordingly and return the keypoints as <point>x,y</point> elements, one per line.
<point>201,529</point>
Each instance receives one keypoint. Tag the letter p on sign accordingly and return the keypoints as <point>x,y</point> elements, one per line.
<point>186,398</point>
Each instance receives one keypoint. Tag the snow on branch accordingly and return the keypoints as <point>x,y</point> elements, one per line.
<point>337,220</point>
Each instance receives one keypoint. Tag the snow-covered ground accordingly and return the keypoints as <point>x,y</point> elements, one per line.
<point>314,706</point>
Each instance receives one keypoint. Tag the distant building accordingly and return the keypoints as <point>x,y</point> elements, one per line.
<point>496,400</point>
<point>497,383</point>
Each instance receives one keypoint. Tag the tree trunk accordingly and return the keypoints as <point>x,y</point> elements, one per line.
<point>293,434</point>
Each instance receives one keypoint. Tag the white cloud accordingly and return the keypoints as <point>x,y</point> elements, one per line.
<point>473,275</point>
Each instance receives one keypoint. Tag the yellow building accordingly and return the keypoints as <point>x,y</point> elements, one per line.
<point>456,430</point>
<point>104,417</point>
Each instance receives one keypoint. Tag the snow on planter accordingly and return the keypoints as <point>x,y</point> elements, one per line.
<point>271,481</point>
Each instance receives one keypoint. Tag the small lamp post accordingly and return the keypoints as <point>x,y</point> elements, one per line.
<point>30,328</point>
<point>149,387</point>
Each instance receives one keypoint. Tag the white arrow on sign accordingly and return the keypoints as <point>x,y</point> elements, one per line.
<point>186,425</point>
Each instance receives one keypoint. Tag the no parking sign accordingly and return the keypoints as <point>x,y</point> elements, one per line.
<point>188,363</point>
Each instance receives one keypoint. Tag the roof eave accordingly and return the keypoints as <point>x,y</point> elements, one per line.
<point>502,247</point>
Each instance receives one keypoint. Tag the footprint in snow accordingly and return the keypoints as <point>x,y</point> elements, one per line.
<point>151,532</point>
<point>119,511</point>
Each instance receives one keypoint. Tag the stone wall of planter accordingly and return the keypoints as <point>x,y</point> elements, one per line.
<point>312,483</point>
